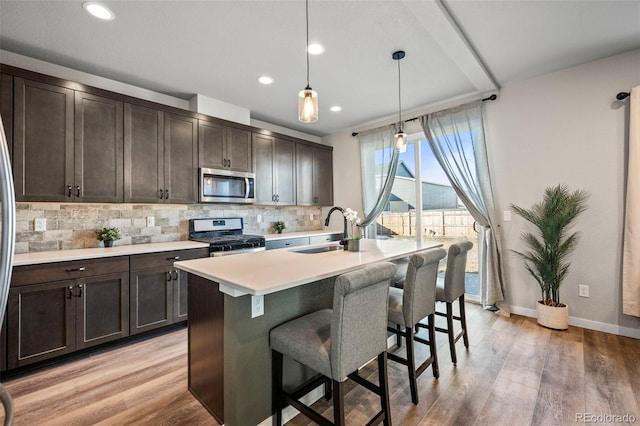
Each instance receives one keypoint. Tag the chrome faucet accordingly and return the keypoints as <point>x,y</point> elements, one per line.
<point>341,210</point>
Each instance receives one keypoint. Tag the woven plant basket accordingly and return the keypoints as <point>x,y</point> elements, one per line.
<point>555,317</point>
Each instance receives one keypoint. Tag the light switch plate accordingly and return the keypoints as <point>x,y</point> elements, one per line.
<point>151,221</point>
<point>257,306</point>
<point>40,224</point>
<point>507,215</point>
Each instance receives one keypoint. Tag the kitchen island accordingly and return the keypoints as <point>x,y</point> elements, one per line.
<point>229,356</point>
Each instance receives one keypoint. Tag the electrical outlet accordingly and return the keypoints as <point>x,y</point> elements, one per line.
<point>257,306</point>
<point>507,215</point>
<point>583,290</point>
<point>259,218</point>
<point>40,224</point>
<point>311,216</point>
<point>151,221</point>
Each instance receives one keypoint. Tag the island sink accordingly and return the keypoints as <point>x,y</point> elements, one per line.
<point>323,249</point>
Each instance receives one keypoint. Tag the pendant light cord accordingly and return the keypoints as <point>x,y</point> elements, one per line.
<point>399,99</point>
<point>307,46</point>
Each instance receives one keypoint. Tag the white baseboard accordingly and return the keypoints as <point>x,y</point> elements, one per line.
<point>584,323</point>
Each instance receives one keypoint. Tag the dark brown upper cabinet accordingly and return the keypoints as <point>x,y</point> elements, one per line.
<point>67,145</point>
<point>6,109</point>
<point>160,156</point>
<point>314,168</point>
<point>224,147</point>
<point>275,170</point>
<point>98,149</point>
<point>43,141</point>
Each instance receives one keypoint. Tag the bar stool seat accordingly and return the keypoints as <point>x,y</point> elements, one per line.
<point>336,343</point>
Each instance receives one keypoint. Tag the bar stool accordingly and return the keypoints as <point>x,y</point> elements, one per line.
<point>337,342</point>
<point>451,288</point>
<point>410,305</point>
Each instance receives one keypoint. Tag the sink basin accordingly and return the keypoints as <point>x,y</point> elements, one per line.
<point>323,249</point>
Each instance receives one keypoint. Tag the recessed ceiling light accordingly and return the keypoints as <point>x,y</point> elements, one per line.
<point>265,79</point>
<point>336,108</point>
<point>99,11</point>
<point>315,49</point>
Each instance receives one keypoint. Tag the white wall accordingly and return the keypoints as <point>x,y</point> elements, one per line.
<point>563,127</point>
<point>567,127</point>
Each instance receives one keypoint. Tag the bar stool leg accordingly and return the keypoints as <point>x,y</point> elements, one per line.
<point>432,345</point>
<point>411,365</point>
<point>463,321</point>
<point>398,337</point>
<point>384,387</point>
<point>452,342</point>
<point>338,403</point>
<point>276,373</point>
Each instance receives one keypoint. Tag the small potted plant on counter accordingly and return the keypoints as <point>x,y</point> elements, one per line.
<point>279,226</point>
<point>108,235</point>
<point>352,241</point>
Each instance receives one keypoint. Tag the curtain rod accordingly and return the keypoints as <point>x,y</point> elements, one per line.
<point>489,98</point>
<point>622,95</point>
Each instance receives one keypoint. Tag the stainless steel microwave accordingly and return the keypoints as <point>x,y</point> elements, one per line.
<point>225,186</point>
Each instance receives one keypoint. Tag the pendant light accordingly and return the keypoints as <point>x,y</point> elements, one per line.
<point>400,136</point>
<point>307,98</point>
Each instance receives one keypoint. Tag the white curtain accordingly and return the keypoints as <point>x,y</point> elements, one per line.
<point>631,252</point>
<point>456,137</point>
<point>379,160</point>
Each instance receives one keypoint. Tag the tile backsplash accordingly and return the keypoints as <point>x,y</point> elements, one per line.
<point>74,225</point>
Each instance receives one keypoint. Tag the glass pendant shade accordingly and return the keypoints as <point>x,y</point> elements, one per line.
<point>401,139</point>
<point>308,105</point>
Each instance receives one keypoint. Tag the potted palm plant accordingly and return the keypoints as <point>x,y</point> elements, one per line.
<point>549,248</point>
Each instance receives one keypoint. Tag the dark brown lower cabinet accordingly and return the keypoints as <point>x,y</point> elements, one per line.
<point>158,291</point>
<point>48,319</point>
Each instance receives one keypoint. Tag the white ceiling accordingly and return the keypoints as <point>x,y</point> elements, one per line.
<point>219,48</point>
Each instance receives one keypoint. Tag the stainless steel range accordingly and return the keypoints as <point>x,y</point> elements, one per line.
<point>224,236</point>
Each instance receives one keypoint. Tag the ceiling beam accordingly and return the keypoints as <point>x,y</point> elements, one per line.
<point>436,19</point>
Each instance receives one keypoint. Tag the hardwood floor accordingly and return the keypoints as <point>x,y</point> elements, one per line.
<point>514,373</point>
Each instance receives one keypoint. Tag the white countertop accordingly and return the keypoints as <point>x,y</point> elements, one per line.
<point>298,234</point>
<point>271,271</point>
<point>34,258</point>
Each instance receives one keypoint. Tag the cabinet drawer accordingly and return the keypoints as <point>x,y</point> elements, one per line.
<point>319,239</point>
<point>156,260</point>
<point>289,242</point>
<point>34,274</point>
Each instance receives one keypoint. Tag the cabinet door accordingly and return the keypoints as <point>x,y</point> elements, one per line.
<point>263,160</point>
<point>304,174</point>
<point>6,108</point>
<point>181,302</point>
<point>150,299</point>
<point>323,177</point>
<point>43,166</point>
<point>284,171</point>
<point>98,149</point>
<point>180,159</point>
<point>102,309</point>
<point>143,154</point>
<point>211,144</point>
<point>238,150</point>
<point>40,322</point>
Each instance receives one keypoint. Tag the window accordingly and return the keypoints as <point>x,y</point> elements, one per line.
<point>424,207</point>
